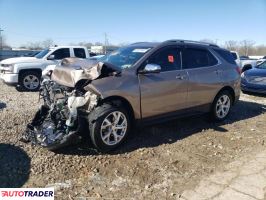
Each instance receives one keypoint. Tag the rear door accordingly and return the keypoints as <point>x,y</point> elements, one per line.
<point>204,75</point>
<point>164,92</point>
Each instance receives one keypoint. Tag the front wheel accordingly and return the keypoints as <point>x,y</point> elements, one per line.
<point>109,126</point>
<point>30,81</point>
<point>221,105</point>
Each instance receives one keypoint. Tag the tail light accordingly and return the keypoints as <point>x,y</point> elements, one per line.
<point>238,69</point>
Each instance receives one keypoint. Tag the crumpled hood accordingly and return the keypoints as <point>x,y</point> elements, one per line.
<point>19,60</point>
<point>71,70</point>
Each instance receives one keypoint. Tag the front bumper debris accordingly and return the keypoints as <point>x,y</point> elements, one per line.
<point>56,123</point>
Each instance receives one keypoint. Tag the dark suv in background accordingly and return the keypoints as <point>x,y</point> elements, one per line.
<point>149,82</point>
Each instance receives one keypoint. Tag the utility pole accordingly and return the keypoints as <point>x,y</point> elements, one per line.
<point>105,42</point>
<point>1,39</point>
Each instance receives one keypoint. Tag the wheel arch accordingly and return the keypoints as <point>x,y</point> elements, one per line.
<point>229,89</point>
<point>118,100</point>
<point>38,70</point>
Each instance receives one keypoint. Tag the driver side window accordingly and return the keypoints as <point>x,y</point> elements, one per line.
<point>168,58</point>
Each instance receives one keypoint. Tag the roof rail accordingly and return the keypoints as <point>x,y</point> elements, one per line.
<point>192,42</point>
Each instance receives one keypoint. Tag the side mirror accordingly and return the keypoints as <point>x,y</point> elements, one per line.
<point>50,57</point>
<point>151,68</point>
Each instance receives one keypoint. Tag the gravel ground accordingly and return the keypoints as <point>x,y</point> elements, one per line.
<point>157,162</point>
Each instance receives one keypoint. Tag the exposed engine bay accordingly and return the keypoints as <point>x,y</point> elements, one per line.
<point>56,123</point>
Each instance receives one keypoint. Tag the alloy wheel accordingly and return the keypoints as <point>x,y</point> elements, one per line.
<point>114,128</point>
<point>223,106</point>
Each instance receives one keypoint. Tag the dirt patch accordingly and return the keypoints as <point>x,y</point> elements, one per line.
<point>156,162</point>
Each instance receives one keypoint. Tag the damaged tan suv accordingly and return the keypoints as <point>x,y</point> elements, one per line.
<point>141,83</point>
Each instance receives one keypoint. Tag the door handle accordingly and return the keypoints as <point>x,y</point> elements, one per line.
<point>180,77</point>
<point>218,71</point>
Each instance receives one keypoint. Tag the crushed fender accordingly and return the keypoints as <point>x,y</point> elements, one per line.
<point>56,123</point>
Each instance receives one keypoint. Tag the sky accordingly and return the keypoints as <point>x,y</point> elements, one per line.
<point>127,21</point>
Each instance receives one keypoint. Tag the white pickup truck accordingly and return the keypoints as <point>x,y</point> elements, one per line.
<point>245,62</point>
<point>26,71</point>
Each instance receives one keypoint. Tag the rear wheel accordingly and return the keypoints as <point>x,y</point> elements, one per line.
<point>221,105</point>
<point>30,81</point>
<point>109,126</point>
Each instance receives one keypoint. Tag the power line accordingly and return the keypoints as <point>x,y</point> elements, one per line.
<point>105,42</point>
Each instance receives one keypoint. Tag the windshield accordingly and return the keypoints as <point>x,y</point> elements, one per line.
<point>125,57</point>
<point>42,53</point>
<point>262,65</point>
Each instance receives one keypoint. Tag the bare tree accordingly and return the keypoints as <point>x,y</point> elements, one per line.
<point>231,45</point>
<point>38,44</point>
<point>260,50</point>
<point>245,46</point>
<point>33,45</point>
<point>47,43</point>
<point>98,44</point>
<point>3,42</point>
<point>86,44</point>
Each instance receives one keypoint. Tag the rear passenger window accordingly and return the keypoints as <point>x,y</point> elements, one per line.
<point>226,55</point>
<point>168,58</point>
<point>79,53</point>
<point>195,58</point>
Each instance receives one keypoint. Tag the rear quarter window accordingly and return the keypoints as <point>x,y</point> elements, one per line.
<point>226,55</point>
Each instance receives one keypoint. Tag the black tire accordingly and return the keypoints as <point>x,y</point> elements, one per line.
<point>95,120</point>
<point>214,109</point>
<point>35,75</point>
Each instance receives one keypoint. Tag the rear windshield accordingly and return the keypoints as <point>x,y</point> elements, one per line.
<point>226,55</point>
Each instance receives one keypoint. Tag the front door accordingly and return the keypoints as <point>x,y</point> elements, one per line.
<point>164,92</point>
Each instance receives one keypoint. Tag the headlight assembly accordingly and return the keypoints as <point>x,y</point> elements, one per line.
<point>7,67</point>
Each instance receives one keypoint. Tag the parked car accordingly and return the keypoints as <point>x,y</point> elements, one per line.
<point>26,71</point>
<point>261,60</point>
<point>236,58</point>
<point>142,83</point>
<point>254,80</point>
<point>244,62</point>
